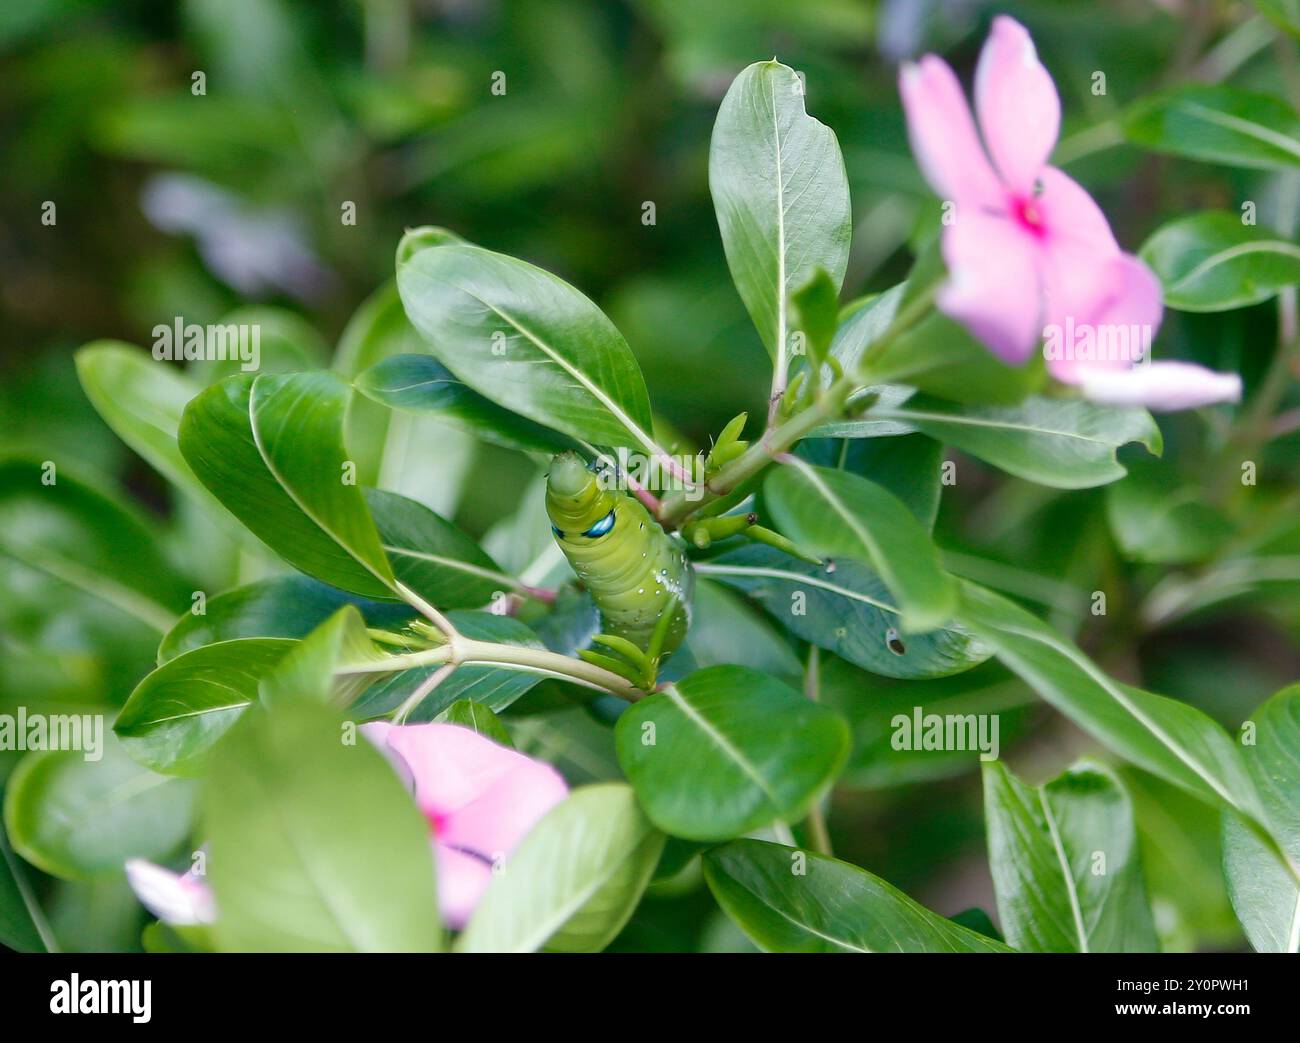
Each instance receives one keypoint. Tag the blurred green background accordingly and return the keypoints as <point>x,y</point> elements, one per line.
<point>174,202</point>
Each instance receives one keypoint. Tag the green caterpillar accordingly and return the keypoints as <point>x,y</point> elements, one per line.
<point>633,570</point>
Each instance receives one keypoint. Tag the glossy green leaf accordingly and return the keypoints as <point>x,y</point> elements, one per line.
<point>528,341</point>
<point>909,466</point>
<point>1264,893</point>
<point>1217,124</point>
<point>781,195</point>
<point>573,881</point>
<point>1212,261</point>
<point>422,384</point>
<point>142,401</point>
<point>1062,443</point>
<point>315,844</point>
<point>77,818</point>
<point>431,556</point>
<point>378,329</point>
<point>728,750</point>
<point>841,515</point>
<point>181,710</point>
<point>797,901</point>
<point>283,606</point>
<point>478,718</point>
<point>725,629</point>
<point>1065,863</point>
<point>816,312</point>
<point>1166,737</point>
<point>845,608</point>
<point>80,536</point>
<point>333,664</point>
<point>270,448</point>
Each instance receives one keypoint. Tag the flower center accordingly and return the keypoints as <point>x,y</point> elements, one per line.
<point>1028,215</point>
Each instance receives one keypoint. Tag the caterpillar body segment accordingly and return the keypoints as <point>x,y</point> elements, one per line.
<point>630,566</point>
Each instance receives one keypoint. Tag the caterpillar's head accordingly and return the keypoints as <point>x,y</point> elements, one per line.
<point>577,505</point>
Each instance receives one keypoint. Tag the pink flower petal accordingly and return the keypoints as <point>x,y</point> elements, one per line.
<point>176,899</point>
<point>993,289</point>
<point>1070,216</point>
<point>1019,111</point>
<point>1162,386</point>
<point>462,879</point>
<point>1106,312</point>
<point>480,798</point>
<point>943,137</point>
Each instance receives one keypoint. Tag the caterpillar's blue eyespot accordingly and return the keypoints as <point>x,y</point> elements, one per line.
<point>558,534</point>
<point>601,527</point>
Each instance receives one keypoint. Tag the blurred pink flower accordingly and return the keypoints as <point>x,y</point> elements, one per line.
<point>480,799</point>
<point>179,899</point>
<point>1029,253</point>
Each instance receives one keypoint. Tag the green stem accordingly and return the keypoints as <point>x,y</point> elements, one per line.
<point>460,650</point>
<point>819,836</point>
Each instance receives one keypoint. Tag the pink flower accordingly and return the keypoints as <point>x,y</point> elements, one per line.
<point>182,900</point>
<point>480,800</point>
<point>1029,253</point>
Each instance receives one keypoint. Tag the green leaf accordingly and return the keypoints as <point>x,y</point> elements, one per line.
<point>781,195</point>
<point>377,330</point>
<point>270,448</point>
<point>81,537</point>
<point>572,883</point>
<point>422,384</point>
<point>23,926</point>
<point>1264,893</point>
<point>843,607</point>
<point>142,401</point>
<point>432,556</point>
<point>1065,863</point>
<point>817,309</point>
<point>478,718</point>
<point>728,750</point>
<point>909,466</point>
<point>1211,261</point>
<point>1166,737</point>
<point>528,341</point>
<point>1155,518</point>
<point>78,818</point>
<point>1061,443</point>
<point>725,629</point>
<point>837,514</point>
<point>796,901</point>
<point>315,844</point>
<point>282,606</point>
<point>333,664</point>
<point>1217,124</point>
<point>181,710</point>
